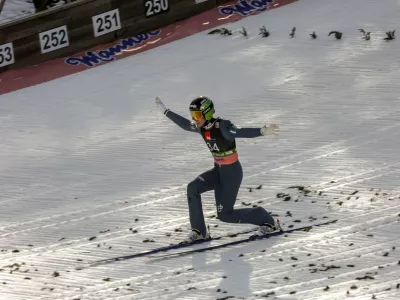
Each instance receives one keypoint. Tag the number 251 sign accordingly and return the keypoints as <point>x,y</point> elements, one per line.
<point>106,22</point>
<point>155,7</point>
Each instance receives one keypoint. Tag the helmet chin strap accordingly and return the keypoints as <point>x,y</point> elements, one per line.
<point>207,122</point>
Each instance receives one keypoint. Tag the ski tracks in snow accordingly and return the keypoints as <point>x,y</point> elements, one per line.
<point>71,252</point>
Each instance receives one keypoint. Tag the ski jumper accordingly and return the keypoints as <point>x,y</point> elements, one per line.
<point>226,176</point>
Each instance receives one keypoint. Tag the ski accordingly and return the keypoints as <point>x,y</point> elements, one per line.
<point>241,241</point>
<point>151,253</point>
<point>165,248</point>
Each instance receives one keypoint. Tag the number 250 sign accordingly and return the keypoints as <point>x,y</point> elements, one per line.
<point>155,7</point>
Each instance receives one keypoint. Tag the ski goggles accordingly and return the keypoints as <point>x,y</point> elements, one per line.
<point>196,114</point>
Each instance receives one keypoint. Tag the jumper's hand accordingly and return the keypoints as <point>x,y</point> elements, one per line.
<point>270,130</point>
<point>160,105</point>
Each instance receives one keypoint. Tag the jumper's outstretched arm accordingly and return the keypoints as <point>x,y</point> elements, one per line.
<point>181,121</point>
<point>177,119</point>
<point>230,131</point>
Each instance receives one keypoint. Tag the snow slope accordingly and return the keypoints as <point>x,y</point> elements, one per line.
<point>15,9</point>
<point>90,168</point>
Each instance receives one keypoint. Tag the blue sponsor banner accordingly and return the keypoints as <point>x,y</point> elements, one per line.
<point>246,7</point>
<point>91,59</point>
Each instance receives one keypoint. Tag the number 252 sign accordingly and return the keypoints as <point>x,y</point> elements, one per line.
<point>155,7</point>
<point>54,39</point>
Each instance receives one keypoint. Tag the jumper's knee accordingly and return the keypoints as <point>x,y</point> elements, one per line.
<point>192,188</point>
<point>225,215</point>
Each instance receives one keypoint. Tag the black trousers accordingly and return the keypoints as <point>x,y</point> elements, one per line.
<point>225,180</point>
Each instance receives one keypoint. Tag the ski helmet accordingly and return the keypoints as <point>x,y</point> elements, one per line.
<point>202,107</point>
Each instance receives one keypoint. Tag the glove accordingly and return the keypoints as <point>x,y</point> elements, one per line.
<point>160,105</point>
<point>269,130</point>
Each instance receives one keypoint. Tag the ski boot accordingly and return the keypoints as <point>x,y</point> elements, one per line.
<point>268,228</point>
<point>196,236</point>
